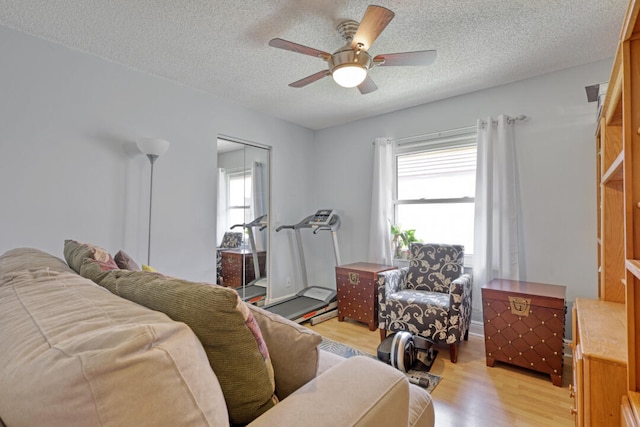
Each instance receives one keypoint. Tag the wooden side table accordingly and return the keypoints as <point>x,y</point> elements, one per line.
<point>234,261</point>
<point>358,292</point>
<point>524,325</point>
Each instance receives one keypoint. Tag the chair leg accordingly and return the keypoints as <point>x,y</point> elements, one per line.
<point>383,334</point>
<point>453,352</point>
<point>466,334</point>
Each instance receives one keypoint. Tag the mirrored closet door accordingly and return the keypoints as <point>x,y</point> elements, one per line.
<point>242,220</point>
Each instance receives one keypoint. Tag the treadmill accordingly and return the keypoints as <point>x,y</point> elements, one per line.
<point>254,292</point>
<point>311,301</point>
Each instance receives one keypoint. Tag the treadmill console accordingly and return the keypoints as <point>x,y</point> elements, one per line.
<point>322,217</point>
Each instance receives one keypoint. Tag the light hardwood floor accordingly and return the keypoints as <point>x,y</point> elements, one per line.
<point>471,394</point>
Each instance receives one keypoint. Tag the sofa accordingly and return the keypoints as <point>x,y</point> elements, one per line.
<point>84,342</point>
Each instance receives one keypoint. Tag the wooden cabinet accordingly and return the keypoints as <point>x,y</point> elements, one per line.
<point>524,325</point>
<point>599,361</point>
<point>238,267</point>
<point>618,240</point>
<point>358,292</point>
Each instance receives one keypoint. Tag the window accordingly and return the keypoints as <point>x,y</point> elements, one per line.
<point>239,197</point>
<point>435,188</point>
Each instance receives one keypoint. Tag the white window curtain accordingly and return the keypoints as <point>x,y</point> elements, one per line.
<point>381,203</point>
<point>222,225</point>
<point>258,205</point>
<point>496,242</point>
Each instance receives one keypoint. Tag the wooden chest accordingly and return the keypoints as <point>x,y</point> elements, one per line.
<point>239,262</point>
<point>524,325</point>
<point>357,292</point>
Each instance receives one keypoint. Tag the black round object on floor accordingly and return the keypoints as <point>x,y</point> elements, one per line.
<point>398,350</point>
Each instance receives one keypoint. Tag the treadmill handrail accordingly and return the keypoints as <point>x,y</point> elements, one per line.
<point>333,226</point>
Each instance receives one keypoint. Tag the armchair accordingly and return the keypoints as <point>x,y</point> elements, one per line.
<point>230,240</point>
<point>430,298</point>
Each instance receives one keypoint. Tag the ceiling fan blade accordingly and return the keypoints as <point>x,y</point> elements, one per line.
<point>374,21</point>
<point>367,86</point>
<point>298,48</point>
<point>310,79</point>
<point>419,57</point>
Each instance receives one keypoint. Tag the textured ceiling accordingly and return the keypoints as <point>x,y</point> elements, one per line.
<point>220,47</point>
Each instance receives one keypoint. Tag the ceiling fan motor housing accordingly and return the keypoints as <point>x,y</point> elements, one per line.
<point>349,57</point>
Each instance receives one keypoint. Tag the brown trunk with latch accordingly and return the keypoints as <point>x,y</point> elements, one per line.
<point>235,261</point>
<point>524,325</point>
<point>358,292</point>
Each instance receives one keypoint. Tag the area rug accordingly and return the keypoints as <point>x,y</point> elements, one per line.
<point>424,379</point>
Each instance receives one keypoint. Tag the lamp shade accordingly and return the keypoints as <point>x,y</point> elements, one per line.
<point>153,146</point>
<point>349,75</point>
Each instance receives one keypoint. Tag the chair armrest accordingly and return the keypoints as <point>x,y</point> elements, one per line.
<point>358,392</point>
<point>388,282</point>
<point>460,288</point>
<point>460,304</point>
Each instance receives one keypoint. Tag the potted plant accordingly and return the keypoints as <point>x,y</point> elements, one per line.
<point>402,240</point>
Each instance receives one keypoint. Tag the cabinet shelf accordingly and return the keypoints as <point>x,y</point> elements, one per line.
<point>614,173</point>
<point>633,266</point>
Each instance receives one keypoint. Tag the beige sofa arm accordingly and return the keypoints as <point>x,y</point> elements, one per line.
<point>357,392</point>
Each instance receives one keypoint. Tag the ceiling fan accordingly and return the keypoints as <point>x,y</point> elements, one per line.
<point>350,64</point>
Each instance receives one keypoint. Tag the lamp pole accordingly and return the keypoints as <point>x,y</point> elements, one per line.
<point>152,159</point>
<point>152,148</point>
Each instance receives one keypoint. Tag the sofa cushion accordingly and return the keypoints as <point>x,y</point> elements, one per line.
<point>293,349</point>
<point>124,261</point>
<point>28,258</point>
<point>358,392</point>
<point>76,252</point>
<point>225,326</point>
<point>74,354</point>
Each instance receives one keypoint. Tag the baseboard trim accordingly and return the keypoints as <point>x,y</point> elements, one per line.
<point>476,328</point>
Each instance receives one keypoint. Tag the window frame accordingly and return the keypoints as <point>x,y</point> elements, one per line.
<point>433,142</point>
<point>239,173</point>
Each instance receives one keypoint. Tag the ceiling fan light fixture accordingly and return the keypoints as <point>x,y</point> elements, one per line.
<point>349,75</point>
<point>348,67</point>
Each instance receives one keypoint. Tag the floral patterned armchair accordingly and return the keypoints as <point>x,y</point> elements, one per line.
<point>230,240</point>
<point>431,297</point>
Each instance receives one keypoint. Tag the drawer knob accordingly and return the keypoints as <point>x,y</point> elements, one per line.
<point>573,411</point>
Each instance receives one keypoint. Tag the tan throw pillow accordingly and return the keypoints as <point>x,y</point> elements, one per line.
<point>225,326</point>
<point>76,252</point>
<point>75,354</point>
<point>125,262</point>
<point>293,349</point>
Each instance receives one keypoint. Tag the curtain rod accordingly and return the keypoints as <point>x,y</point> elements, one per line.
<point>510,120</point>
<point>462,129</point>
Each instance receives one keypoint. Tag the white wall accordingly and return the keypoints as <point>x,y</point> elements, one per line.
<point>555,152</point>
<point>69,168</point>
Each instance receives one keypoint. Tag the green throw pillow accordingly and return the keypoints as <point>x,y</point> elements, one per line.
<point>224,325</point>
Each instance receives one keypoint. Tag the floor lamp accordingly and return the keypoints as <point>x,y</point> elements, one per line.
<point>153,148</point>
